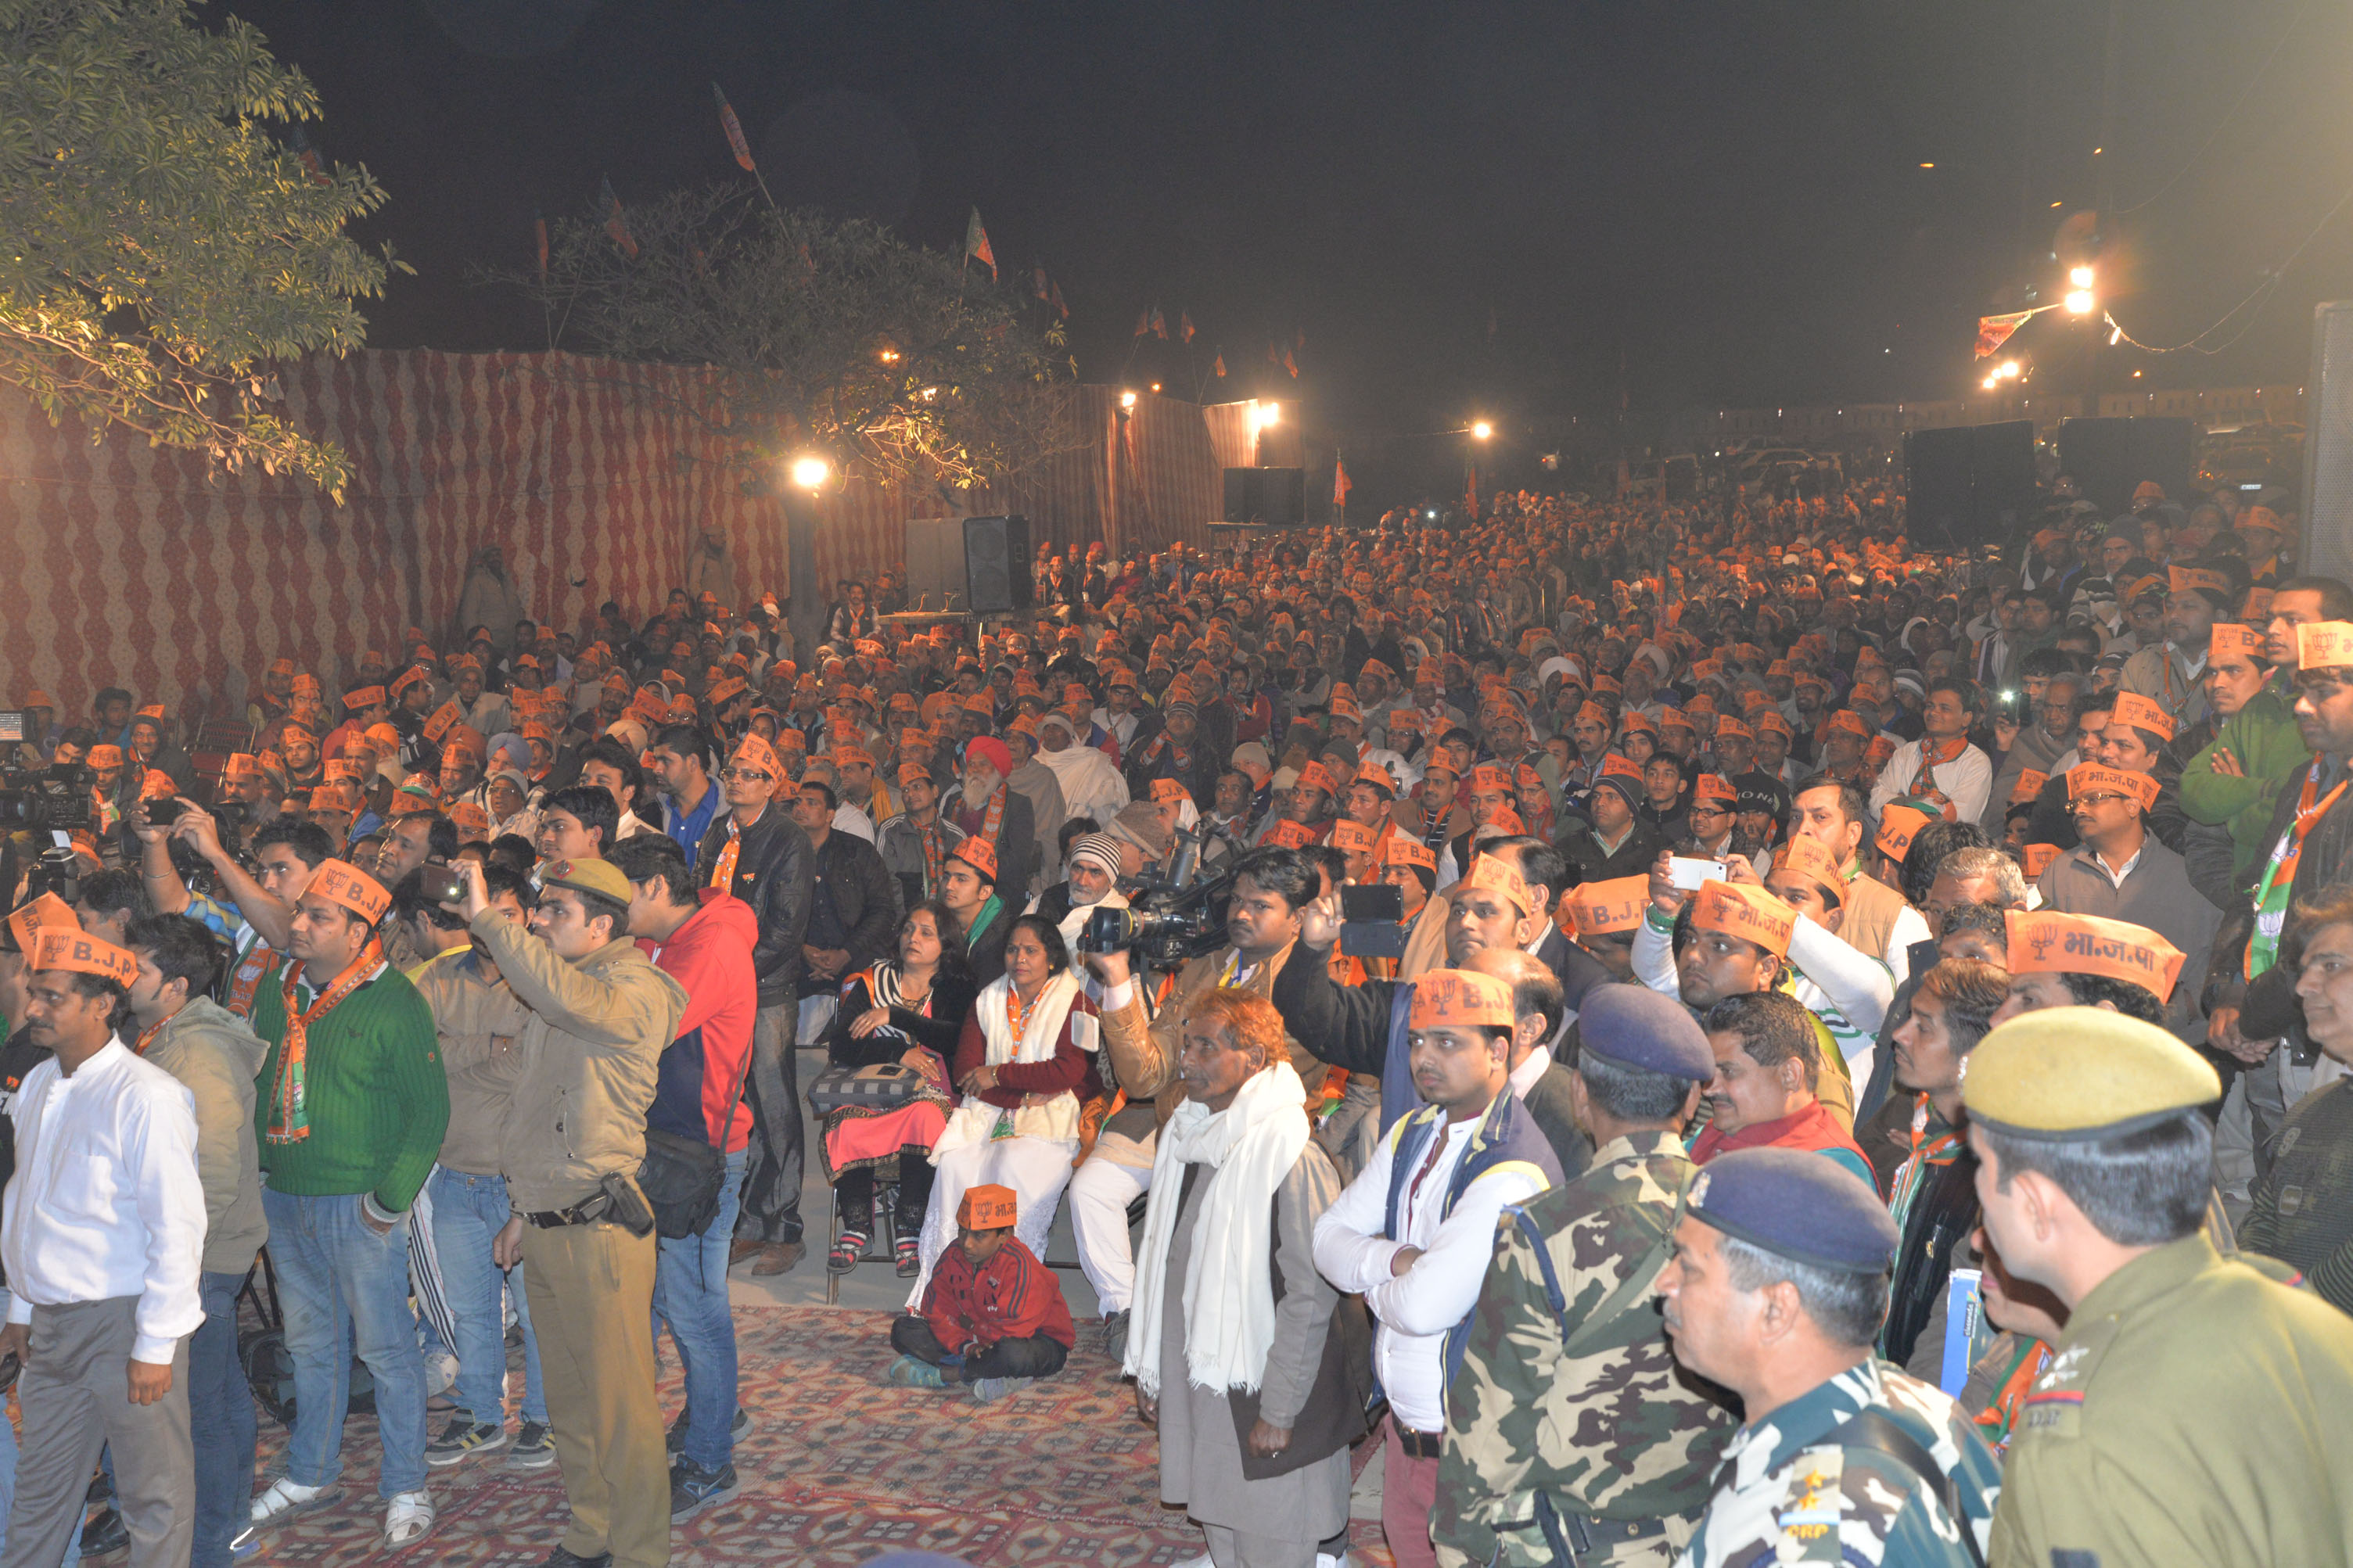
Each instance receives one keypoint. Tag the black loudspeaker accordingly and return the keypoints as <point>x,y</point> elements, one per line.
<point>1969,484</point>
<point>2109,456</point>
<point>1276,496</point>
<point>2327,547</point>
<point>997,566</point>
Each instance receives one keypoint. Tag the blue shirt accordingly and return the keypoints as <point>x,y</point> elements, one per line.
<point>689,827</point>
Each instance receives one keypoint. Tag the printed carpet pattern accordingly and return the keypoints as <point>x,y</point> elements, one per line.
<point>838,1469</point>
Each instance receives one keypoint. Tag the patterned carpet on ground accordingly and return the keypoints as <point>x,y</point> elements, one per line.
<point>838,1467</point>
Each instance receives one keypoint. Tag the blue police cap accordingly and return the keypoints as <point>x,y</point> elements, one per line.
<point>1635,1026</point>
<point>1798,1203</point>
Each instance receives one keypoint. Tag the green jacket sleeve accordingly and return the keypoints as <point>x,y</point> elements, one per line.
<point>420,1091</point>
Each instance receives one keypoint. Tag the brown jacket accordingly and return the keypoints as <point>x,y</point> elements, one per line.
<point>1872,907</point>
<point>1143,1050</point>
<point>480,1025</point>
<point>215,1053</point>
<point>591,1048</point>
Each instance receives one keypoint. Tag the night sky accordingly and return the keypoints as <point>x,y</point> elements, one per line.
<point>1726,195</point>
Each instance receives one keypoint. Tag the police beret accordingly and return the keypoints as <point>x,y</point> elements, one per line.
<point>588,875</point>
<point>1635,1026</point>
<point>2072,1074</point>
<point>1796,1203</point>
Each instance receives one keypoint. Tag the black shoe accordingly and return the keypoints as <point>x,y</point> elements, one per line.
<point>694,1489</point>
<point>102,1489</point>
<point>104,1533</point>
<point>560,1558</point>
<point>737,1430</point>
<point>1114,1337</point>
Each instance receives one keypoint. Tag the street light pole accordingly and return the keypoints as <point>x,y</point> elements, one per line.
<point>798,498</point>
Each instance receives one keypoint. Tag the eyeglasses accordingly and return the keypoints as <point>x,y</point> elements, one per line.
<point>2101,798</point>
<point>745,775</point>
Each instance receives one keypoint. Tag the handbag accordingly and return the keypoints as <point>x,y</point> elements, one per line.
<point>681,1176</point>
<point>882,1087</point>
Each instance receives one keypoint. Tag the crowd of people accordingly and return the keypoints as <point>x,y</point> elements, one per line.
<point>1717,1037</point>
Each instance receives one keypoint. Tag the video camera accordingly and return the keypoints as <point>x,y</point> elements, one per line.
<point>1168,922</point>
<point>45,800</point>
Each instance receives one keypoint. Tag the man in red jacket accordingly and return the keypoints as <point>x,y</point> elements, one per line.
<point>702,938</point>
<point>992,1316</point>
<point>1767,1064</point>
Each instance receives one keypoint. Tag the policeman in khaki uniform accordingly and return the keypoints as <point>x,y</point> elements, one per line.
<point>1777,1290</point>
<point>2195,1411</point>
<point>1568,1425</point>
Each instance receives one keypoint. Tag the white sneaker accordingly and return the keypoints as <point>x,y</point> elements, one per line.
<point>284,1499</point>
<point>408,1518</point>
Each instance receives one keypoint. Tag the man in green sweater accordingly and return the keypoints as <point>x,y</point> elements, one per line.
<point>351,1104</point>
<point>2233,782</point>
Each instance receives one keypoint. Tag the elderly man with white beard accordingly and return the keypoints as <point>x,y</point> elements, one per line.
<point>989,809</point>
<point>1255,1417</point>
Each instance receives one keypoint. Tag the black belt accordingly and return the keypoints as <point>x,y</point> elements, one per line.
<point>1575,1536</point>
<point>1418,1445</point>
<point>586,1212</point>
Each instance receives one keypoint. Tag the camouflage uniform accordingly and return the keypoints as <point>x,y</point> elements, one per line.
<point>1617,1434</point>
<point>1786,1488</point>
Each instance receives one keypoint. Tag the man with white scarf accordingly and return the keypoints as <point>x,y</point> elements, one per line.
<point>1219,1349</point>
<point>1092,784</point>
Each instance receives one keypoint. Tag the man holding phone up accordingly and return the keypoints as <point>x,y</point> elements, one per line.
<point>600,1015</point>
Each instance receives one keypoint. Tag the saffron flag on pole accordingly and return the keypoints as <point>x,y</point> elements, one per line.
<point>1221,366</point>
<point>734,129</point>
<point>1061,310</point>
<point>1994,330</point>
<point>1143,322</point>
<point>976,244</point>
<point>1038,283</point>
<point>615,223</point>
<point>1159,324</point>
<point>1341,485</point>
<point>1291,364</point>
<point>1185,324</point>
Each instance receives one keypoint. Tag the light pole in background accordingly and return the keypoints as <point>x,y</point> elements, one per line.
<point>808,475</point>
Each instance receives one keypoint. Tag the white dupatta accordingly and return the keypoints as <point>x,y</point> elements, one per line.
<point>975,1121</point>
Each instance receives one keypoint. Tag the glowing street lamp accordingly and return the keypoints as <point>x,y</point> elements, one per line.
<point>1481,430</point>
<point>1127,400</point>
<point>811,472</point>
<point>2080,300</point>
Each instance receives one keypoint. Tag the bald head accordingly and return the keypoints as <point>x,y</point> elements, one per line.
<point>1536,995</point>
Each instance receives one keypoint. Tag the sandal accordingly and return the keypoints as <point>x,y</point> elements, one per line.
<point>848,1249</point>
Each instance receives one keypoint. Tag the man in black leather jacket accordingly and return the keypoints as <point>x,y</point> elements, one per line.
<point>755,851</point>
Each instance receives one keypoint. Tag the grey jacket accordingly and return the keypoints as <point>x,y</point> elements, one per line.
<point>209,1049</point>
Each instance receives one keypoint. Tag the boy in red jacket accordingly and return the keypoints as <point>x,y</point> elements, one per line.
<point>992,1316</point>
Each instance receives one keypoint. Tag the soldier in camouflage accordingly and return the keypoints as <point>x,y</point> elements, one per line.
<point>1571,1435</point>
<point>1777,1288</point>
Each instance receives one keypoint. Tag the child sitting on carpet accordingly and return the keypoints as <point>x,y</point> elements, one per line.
<point>992,1316</point>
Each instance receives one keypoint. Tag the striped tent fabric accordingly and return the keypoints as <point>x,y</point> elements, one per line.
<point>126,564</point>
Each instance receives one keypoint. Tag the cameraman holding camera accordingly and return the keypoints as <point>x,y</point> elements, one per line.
<point>600,1016</point>
<point>1272,891</point>
<point>253,910</point>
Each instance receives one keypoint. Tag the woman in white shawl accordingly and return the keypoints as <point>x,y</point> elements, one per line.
<point>1092,786</point>
<point>1024,1066</point>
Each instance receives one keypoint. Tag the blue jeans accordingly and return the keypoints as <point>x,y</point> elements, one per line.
<point>344,1288</point>
<point>691,1295</point>
<point>468,1212</point>
<point>221,1422</point>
